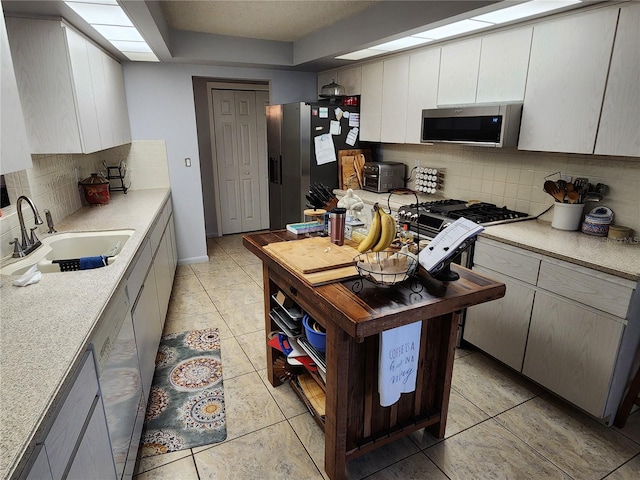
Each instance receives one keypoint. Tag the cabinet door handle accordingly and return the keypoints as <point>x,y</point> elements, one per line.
<point>293,290</point>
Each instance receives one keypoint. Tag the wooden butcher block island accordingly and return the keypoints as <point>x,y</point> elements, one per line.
<point>354,422</point>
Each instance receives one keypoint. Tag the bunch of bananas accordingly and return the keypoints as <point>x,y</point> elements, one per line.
<point>382,231</point>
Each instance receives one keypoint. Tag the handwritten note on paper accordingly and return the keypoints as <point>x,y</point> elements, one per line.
<point>352,136</point>
<point>334,127</point>
<point>325,150</point>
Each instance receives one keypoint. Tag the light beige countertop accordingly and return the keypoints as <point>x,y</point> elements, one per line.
<point>617,258</point>
<point>45,328</point>
<point>599,253</point>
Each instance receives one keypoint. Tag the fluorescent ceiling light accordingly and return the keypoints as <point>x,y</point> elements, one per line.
<point>111,32</point>
<point>516,12</point>
<point>399,44</point>
<point>524,10</point>
<point>110,21</point>
<point>124,46</point>
<point>100,14</point>
<point>456,28</point>
<point>359,55</point>
<point>141,57</point>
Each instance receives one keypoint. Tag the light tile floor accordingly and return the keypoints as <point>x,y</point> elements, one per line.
<point>500,426</point>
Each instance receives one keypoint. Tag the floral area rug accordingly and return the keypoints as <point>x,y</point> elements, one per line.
<point>186,403</point>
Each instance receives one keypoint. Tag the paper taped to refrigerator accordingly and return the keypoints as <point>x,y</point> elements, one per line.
<point>325,151</point>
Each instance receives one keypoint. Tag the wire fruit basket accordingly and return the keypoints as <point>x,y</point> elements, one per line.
<point>386,267</point>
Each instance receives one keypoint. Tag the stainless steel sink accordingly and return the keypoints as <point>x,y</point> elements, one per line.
<point>71,245</point>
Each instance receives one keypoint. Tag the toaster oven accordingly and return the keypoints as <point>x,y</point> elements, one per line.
<point>382,177</point>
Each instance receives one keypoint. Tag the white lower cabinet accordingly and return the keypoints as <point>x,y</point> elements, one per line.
<point>78,440</point>
<point>40,469</point>
<point>565,326</point>
<point>572,351</point>
<point>149,285</point>
<point>148,329</point>
<point>90,460</point>
<point>508,315</point>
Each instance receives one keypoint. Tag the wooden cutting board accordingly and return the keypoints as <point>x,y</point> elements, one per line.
<point>350,163</point>
<point>330,276</point>
<point>314,254</point>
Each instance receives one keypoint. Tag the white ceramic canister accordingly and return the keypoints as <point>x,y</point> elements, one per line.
<point>567,216</point>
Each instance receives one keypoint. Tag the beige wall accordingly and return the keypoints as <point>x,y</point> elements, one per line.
<point>514,178</point>
<point>52,182</point>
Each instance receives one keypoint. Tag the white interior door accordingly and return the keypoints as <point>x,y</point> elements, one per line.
<point>237,159</point>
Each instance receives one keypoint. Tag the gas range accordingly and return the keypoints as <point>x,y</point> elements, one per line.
<point>429,218</point>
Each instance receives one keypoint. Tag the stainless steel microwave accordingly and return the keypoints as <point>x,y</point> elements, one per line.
<point>486,125</point>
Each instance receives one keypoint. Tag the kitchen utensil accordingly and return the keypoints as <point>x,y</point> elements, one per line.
<point>602,189</point>
<point>580,185</point>
<point>573,196</point>
<point>591,197</point>
<point>552,189</point>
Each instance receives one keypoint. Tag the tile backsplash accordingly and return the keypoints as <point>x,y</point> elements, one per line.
<point>52,182</point>
<point>512,178</point>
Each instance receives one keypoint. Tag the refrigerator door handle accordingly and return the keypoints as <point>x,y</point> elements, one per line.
<point>275,170</point>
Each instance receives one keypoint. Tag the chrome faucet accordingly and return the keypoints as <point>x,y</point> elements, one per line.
<point>28,244</point>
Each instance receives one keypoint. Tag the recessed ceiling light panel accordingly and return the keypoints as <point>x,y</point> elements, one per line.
<point>101,14</point>
<point>399,44</point>
<point>524,10</point>
<point>141,57</point>
<point>110,21</point>
<point>456,28</point>
<point>360,54</point>
<point>111,32</point>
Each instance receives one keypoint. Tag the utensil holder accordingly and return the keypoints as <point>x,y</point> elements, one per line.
<point>567,216</point>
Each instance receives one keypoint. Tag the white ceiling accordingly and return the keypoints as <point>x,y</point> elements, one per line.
<point>284,21</point>
<point>296,34</point>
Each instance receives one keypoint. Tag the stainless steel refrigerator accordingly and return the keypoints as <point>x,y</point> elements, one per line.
<point>293,166</point>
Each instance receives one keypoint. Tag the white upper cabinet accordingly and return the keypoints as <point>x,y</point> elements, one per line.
<point>566,82</point>
<point>424,68</point>
<point>504,61</point>
<point>395,94</point>
<point>619,130</point>
<point>86,106</point>
<point>15,153</point>
<point>459,63</point>
<point>72,92</point>
<point>351,80</point>
<point>371,102</point>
